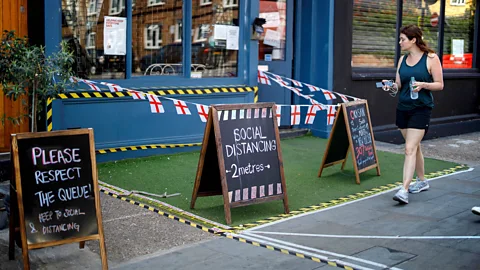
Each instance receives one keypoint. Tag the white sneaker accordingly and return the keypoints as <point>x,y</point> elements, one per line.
<point>476,210</point>
<point>401,196</point>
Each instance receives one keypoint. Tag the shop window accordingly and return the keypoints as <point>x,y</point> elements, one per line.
<point>205,2</point>
<point>157,38</point>
<point>153,36</point>
<point>272,44</point>
<point>375,37</point>
<point>212,55</point>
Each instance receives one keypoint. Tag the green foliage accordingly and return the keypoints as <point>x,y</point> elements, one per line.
<point>27,72</point>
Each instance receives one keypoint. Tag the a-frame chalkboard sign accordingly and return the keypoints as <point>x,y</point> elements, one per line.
<point>241,157</point>
<point>56,191</point>
<point>352,131</point>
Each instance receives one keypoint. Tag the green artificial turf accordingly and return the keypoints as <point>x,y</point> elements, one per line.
<point>302,158</point>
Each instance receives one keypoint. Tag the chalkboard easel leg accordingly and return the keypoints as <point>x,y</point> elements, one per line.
<point>81,244</point>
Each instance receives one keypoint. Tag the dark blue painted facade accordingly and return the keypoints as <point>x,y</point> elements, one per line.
<point>119,122</point>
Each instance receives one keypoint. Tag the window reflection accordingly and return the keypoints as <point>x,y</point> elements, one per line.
<point>210,56</point>
<point>272,45</point>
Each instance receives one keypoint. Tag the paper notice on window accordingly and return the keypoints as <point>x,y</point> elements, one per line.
<point>272,19</point>
<point>232,37</point>
<point>272,38</point>
<point>220,31</point>
<point>115,36</point>
<point>457,47</point>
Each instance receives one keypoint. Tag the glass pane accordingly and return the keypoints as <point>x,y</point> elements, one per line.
<point>157,38</point>
<point>271,47</point>
<point>458,37</point>
<point>374,34</point>
<point>210,56</point>
<point>425,16</point>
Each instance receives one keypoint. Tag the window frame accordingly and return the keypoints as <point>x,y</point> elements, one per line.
<point>156,44</point>
<point>154,3</point>
<point>90,43</point>
<point>367,73</point>
<point>457,2</point>
<point>227,4</point>
<point>205,2</point>
<point>92,3</point>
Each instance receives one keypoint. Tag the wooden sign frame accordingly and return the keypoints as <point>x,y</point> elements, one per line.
<point>336,123</point>
<point>213,121</point>
<point>19,207</point>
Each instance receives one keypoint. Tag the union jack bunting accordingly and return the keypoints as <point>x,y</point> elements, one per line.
<point>295,115</point>
<point>113,87</point>
<point>278,113</point>
<point>331,114</point>
<point>312,88</point>
<point>155,104</point>
<point>137,94</point>
<point>181,107</point>
<point>263,78</point>
<point>328,94</point>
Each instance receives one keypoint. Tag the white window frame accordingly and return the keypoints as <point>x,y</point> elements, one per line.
<point>198,33</point>
<point>230,3</point>
<point>178,32</point>
<point>205,2</point>
<point>90,43</point>
<point>149,43</point>
<point>457,2</point>
<point>152,3</point>
<point>118,9</point>
<point>92,8</point>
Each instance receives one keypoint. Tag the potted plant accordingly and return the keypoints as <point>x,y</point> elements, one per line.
<point>29,75</point>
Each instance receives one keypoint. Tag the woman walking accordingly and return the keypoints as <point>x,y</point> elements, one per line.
<point>419,72</point>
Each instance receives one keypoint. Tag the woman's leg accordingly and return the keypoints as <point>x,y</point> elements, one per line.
<point>412,143</point>
<point>419,161</point>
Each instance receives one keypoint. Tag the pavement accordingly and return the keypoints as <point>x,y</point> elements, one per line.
<point>436,230</point>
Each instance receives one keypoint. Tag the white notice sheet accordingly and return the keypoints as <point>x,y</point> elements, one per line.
<point>115,36</point>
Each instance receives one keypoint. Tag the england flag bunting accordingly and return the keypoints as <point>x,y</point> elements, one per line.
<point>202,112</point>
<point>91,85</point>
<point>328,94</point>
<point>278,113</point>
<point>113,87</point>
<point>296,83</point>
<point>332,112</point>
<point>312,112</point>
<point>295,115</point>
<point>344,98</point>
<point>137,94</point>
<point>263,78</point>
<point>155,104</point>
<point>312,88</point>
<point>181,107</point>
<point>280,81</point>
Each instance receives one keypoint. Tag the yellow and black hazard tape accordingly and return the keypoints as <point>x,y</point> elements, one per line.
<point>221,232</point>
<point>285,251</point>
<point>93,94</point>
<point>341,200</point>
<point>145,147</point>
<point>198,91</point>
<point>162,213</point>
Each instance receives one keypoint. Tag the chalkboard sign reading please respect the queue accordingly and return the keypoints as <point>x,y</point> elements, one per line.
<point>352,131</point>
<point>57,188</point>
<point>241,157</point>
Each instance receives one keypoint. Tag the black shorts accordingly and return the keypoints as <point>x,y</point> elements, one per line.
<point>418,118</point>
